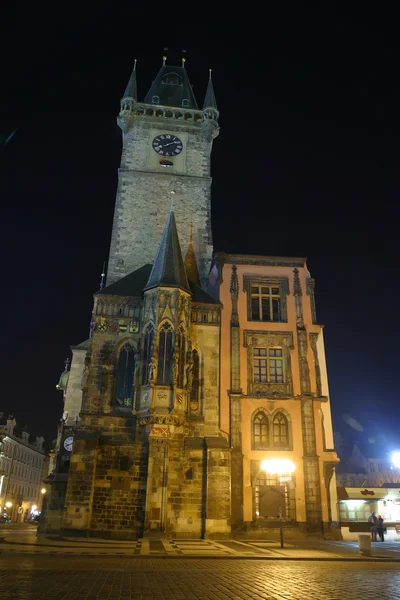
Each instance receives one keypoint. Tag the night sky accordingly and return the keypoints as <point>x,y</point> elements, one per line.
<point>306,164</point>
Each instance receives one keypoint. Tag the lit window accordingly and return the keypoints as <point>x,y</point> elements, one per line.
<point>265,303</point>
<point>260,430</point>
<point>125,377</point>
<point>165,355</point>
<point>280,431</point>
<point>268,366</point>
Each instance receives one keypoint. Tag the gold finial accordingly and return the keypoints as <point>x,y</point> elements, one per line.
<point>183,61</point>
<point>134,66</point>
<point>164,58</point>
<point>209,75</point>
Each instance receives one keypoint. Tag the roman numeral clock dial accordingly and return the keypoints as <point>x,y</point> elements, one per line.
<point>167,145</point>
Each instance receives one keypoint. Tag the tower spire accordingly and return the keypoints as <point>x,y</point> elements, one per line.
<point>192,270</point>
<point>131,88</point>
<point>209,100</point>
<point>168,268</point>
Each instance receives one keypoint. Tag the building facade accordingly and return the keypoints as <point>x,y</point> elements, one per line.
<point>21,473</point>
<point>169,410</point>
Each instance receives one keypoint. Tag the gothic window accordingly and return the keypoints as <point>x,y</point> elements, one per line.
<point>125,377</point>
<point>165,355</point>
<point>260,431</point>
<point>180,349</point>
<point>147,350</point>
<point>172,79</point>
<point>268,365</point>
<point>265,303</point>
<point>194,392</point>
<point>280,431</point>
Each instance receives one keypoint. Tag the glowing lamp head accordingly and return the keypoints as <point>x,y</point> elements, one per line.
<point>396,459</point>
<point>34,507</point>
<point>43,491</point>
<point>9,504</point>
<point>278,466</point>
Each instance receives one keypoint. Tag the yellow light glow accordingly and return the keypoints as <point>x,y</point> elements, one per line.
<point>9,504</point>
<point>34,507</point>
<point>396,459</point>
<point>354,503</point>
<point>43,490</point>
<point>278,466</point>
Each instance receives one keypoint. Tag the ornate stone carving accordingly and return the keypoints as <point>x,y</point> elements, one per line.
<point>161,419</point>
<point>313,344</point>
<point>310,282</point>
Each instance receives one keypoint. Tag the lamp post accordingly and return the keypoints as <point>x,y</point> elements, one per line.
<point>283,470</point>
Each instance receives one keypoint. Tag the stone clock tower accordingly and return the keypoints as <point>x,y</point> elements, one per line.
<point>167,143</point>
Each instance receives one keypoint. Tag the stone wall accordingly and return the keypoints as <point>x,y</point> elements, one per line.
<point>144,199</point>
<point>119,490</point>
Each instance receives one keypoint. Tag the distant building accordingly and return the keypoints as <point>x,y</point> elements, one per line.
<point>365,464</point>
<point>21,472</point>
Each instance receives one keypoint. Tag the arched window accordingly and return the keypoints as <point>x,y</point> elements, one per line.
<point>172,79</point>
<point>125,377</point>
<point>180,349</point>
<point>147,350</point>
<point>164,355</point>
<point>260,431</point>
<point>194,392</point>
<point>280,431</point>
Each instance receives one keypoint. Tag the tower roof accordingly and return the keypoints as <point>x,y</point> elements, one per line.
<point>171,87</point>
<point>209,100</point>
<point>131,88</point>
<point>168,269</point>
<point>192,270</point>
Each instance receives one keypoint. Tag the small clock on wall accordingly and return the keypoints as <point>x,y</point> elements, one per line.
<point>68,443</point>
<point>167,144</point>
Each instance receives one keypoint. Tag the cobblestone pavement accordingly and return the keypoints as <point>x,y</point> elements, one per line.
<point>70,578</point>
<point>26,542</point>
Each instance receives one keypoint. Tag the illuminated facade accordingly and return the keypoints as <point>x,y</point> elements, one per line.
<point>188,383</point>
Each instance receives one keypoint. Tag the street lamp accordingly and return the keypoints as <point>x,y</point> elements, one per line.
<point>396,459</point>
<point>283,470</point>
<point>43,491</point>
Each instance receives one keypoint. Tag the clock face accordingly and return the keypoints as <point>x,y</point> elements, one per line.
<point>68,443</point>
<point>167,144</point>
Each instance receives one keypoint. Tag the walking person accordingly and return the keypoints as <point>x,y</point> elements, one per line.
<point>373,523</point>
<point>380,528</point>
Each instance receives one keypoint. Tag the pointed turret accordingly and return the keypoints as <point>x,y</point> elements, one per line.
<point>192,270</point>
<point>209,100</point>
<point>131,88</point>
<point>168,269</point>
<point>128,103</point>
<point>171,87</point>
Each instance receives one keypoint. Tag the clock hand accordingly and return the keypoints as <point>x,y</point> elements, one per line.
<point>174,142</point>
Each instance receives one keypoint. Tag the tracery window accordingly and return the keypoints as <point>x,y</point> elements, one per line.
<point>125,377</point>
<point>260,431</point>
<point>280,431</point>
<point>147,351</point>
<point>195,391</point>
<point>164,370</point>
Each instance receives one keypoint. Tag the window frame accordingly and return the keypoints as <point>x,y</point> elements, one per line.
<point>124,348</point>
<point>270,417</point>
<point>268,358</point>
<point>282,283</point>
<point>165,354</point>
